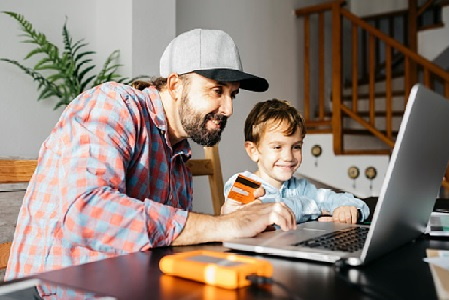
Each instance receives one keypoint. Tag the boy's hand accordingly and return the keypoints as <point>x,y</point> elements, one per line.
<point>342,214</point>
<point>231,205</point>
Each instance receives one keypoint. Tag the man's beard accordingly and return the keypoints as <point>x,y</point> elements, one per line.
<point>195,124</point>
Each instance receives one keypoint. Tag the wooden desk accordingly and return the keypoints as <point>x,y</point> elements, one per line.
<point>402,274</point>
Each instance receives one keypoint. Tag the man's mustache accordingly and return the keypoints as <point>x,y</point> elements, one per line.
<point>219,118</point>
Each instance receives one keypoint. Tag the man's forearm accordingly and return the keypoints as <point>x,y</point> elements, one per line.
<point>246,221</point>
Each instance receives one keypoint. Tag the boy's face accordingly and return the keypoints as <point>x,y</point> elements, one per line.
<point>277,156</point>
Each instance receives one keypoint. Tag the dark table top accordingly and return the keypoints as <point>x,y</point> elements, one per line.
<point>401,274</point>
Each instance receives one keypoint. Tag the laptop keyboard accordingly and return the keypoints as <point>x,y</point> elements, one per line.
<point>347,240</point>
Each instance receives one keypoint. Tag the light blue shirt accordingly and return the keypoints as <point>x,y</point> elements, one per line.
<point>303,198</point>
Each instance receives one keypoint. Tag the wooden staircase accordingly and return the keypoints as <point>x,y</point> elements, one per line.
<point>371,73</point>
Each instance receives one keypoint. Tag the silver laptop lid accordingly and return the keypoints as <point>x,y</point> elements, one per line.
<point>414,174</point>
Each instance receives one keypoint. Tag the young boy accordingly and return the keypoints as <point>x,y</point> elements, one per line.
<point>274,133</point>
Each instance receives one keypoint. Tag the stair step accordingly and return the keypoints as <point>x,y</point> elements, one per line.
<point>395,93</point>
<point>431,27</point>
<point>378,113</point>
<point>378,78</point>
<point>312,130</point>
<point>367,152</point>
<point>366,132</point>
<point>397,84</point>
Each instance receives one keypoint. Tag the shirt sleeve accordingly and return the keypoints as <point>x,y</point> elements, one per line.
<point>329,200</point>
<point>94,151</point>
<point>307,202</point>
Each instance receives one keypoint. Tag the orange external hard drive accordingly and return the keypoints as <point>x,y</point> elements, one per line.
<point>243,189</point>
<point>226,270</point>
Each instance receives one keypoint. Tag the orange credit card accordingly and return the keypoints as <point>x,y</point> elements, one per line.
<point>243,189</point>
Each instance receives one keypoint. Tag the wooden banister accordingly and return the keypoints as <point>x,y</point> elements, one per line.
<point>396,45</point>
<point>367,46</point>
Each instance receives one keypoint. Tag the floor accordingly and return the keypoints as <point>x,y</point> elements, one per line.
<point>10,202</point>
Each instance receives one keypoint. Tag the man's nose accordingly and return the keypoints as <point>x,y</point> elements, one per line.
<point>226,106</point>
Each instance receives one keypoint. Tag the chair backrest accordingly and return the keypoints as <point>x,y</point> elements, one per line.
<point>4,254</point>
<point>211,167</point>
<point>16,170</point>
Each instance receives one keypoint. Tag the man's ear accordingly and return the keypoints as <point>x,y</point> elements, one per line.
<point>174,86</point>
<point>251,150</point>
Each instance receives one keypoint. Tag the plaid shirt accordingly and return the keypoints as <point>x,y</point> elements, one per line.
<point>108,182</point>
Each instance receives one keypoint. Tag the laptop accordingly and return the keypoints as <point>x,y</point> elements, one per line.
<point>408,194</point>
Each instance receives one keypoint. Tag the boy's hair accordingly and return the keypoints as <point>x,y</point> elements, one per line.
<point>272,113</point>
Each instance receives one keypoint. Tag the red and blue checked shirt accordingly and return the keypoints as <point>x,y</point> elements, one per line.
<point>108,182</point>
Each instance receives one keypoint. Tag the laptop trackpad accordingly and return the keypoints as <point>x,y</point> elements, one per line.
<point>303,232</point>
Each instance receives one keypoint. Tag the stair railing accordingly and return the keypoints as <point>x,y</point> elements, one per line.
<point>346,66</point>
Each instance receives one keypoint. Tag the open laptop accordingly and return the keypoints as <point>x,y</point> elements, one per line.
<point>408,194</point>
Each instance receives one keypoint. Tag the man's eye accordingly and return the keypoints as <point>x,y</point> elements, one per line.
<point>219,91</point>
<point>297,147</point>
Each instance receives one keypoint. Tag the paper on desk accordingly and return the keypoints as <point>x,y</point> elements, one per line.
<point>439,258</point>
<point>438,224</point>
<point>439,265</point>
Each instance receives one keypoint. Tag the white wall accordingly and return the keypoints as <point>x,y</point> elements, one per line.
<point>432,43</point>
<point>266,31</point>
<point>24,122</point>
<point>333,170</point>
<point>368,7</point>
<point>131,26</point>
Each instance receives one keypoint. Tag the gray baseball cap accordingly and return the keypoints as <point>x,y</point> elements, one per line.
<point>210,53</point>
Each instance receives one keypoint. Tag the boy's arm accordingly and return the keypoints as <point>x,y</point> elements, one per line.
<point>333,202</point>
<point>309,202</point>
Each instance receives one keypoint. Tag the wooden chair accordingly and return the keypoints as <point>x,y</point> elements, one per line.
<point>13,171</point>
<point>16,170</point>
<point>4,254</point>
<point>211,167</point>
<point>21,170</point>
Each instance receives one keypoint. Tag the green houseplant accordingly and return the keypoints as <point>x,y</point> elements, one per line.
<point>63,74</point>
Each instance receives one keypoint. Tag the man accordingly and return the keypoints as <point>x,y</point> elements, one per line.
<point>111,177</point>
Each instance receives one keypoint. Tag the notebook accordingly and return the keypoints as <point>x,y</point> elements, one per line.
<point>408,194</point>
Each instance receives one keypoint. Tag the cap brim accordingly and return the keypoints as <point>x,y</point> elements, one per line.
<point>247,81</point>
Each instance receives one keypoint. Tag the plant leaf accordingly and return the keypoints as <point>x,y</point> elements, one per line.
<point>67,73</point>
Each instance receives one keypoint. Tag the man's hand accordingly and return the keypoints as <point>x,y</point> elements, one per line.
<point>247,221</point>
<point>342,214</point>
<point>255,217</point>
